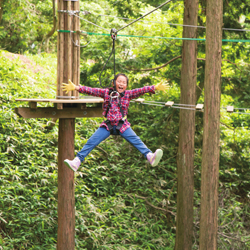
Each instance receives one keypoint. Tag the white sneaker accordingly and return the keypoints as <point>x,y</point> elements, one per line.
<point>154,158</point>
<point>74,164</point>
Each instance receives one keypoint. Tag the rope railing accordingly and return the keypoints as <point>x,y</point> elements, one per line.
<point>198,107</point>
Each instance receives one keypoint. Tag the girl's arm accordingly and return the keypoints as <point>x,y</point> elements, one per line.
<point>135,93</point>
<point>91,91</point>
<point>148,89</point>
<point>83,89</point>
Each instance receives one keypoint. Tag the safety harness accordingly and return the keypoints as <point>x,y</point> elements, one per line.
<point>114,94</point>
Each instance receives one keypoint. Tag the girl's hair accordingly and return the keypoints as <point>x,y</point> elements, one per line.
<point>120,74</point>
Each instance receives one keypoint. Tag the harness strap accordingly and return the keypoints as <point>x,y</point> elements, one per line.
<point>121,122</point>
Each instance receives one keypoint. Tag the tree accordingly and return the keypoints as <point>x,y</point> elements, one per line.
<point>211,120</point>
<point>185,158</point>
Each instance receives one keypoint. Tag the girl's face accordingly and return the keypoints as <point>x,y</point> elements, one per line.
<point>121,84</point>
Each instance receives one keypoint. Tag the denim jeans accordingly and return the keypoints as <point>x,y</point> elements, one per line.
<point>102,133</point>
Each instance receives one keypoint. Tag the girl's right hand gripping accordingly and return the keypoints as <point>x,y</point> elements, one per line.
<point>68,87</point>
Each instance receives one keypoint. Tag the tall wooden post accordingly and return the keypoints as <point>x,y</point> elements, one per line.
<point>68,68</point>
<point>66,109</point>
<point>211,121</point>
<point>185,158</point>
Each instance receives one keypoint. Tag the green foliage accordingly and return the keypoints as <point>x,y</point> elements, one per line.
<point>27,30</point>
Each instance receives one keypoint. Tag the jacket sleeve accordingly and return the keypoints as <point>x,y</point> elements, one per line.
<point>135,93</point>
<point>92,91</point>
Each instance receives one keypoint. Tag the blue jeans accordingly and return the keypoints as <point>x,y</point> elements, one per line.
<point>102,133</point>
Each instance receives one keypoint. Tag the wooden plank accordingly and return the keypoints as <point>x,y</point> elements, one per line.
<point>75,50</point>
<point>69,46</point>
<point>199,106</point>
<point>66,192</point>
<point>169,104</point>
<point>77,4</point>
<point>140,100</point>
<point>230,109</point>
<point>58,113</point>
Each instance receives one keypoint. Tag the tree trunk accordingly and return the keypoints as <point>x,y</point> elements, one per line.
<point>211,133</point>
<point>185,158</point>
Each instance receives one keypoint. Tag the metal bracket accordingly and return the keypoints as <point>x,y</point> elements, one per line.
<point>113,33</point>
<point>70,12</point>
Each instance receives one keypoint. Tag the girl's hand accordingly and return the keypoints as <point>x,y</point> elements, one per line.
<point>162,86</point>
<point>68,87</point>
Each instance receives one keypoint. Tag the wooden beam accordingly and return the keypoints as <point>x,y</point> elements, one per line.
<point>58,113</point>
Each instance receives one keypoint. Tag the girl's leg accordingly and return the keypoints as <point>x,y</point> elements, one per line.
<point>99,135</point>
<point>135,140</point>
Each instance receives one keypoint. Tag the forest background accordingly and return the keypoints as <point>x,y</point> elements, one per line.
<point>121,201</point>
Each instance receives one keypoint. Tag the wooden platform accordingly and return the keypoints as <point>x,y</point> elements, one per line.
<point>63,108</point>
<point>82,100</point>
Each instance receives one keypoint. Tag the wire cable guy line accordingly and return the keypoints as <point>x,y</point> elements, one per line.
<point>144,15</point>
<point>174,24</point>
<point>90,22</point>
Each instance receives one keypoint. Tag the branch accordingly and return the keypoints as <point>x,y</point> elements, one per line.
<point>150,204</point>
<point>226,125</point>
<point>232,238</point>
<point>232,63</point>
<point>164,65</point>
<point>171,192</point>
<point>54,22</point>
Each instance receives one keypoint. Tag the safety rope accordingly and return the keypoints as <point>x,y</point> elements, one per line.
<point>159,37</point>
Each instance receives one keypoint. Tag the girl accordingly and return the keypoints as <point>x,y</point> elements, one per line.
<point>115,109</point>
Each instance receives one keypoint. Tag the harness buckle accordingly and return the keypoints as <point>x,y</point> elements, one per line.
<point>114,94</point>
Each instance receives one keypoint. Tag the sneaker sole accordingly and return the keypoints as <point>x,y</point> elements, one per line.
<point>158,156</point>
<point>67,164</point>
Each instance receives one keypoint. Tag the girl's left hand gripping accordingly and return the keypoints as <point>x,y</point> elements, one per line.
<point>68,86</point>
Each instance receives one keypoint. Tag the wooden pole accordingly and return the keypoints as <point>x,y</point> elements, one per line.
<point>67,58</point>
<point>211,131</point>
<point>185,158</point>
<point>66,196</point>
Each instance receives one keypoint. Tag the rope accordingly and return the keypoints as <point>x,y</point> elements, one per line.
<point>158,37</point>
<point>144,15</point>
